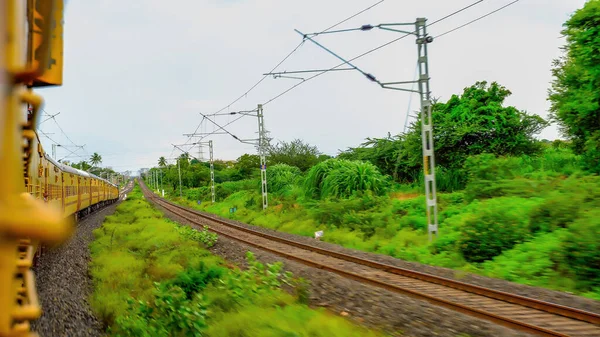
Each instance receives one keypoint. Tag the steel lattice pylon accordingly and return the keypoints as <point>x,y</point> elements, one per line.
<point>262,144</point>
<point>427,127</point>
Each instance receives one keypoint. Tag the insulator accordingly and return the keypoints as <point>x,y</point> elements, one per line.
<point>371,77</point>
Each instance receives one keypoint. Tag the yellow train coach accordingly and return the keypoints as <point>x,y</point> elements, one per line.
<point>74,191</point>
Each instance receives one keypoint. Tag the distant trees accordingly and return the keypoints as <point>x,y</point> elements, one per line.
<point>82,165</point>
<point>247,164</point>
<point>574,95</point>
<point>95,159</point>
<point>295,153</point>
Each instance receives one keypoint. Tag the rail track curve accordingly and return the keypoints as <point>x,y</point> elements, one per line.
<point>511,310</point>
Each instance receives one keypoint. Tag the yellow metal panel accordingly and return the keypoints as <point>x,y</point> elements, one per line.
<point>46,52</point>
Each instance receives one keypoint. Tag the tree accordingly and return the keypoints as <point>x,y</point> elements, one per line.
<point>469,124</point>
<point>294,153</point>
<point>574,95</point>
<point>247,165</point>
<point>162,162</point>
<point>95,159</point>
<point>478,122</point>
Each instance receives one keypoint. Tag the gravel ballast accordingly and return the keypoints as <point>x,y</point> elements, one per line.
<point>374,307</point>
<point>542,294</point>
<point>64,285</point>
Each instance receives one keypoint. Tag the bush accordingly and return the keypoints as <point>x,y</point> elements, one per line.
<point>209,239</point>
<point>169,313</point>
<point>535,262</point>
<point>226,189</point>
<point>497,225</point>
<point>341,178</point>
<point>581,249</point>
<point>556,211</point>
<point>281,177</point>
<point>364,213</point>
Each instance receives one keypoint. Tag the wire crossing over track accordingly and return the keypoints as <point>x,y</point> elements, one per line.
<point>514,311</point>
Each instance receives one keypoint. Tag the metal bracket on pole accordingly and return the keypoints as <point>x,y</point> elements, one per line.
<point>262,140</point>
<point>427,127</point>
<point>426,119</point>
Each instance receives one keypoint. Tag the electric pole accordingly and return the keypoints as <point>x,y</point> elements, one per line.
<point>212,171</point>
<point>262,144</point>
<point>424,93</point>
<point>211,159</point>
<point>179,168</point>
<point>427,127</point>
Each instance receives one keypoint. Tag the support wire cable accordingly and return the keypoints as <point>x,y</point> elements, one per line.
<point>367,53</point>
<point>479,18</point>
<point>277,66</point>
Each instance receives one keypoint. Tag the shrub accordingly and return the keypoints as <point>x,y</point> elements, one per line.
<point>281,177</point>
<point>556,211</point>
<point>341,178</point>
<point>169,313</point>
<point>535,262</point>
<point>497,225</point>
<point>581,249</point>
<point>363,212</point>
<point>209,239</point>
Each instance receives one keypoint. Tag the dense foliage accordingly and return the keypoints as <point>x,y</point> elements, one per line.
<point>153,277</point>
<point>295,153</point>
<point>342,178</point>
<point>473,123</point>
<point>574,95</point>
<point>511,206</point>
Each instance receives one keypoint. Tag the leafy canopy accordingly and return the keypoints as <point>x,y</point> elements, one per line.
<point>475,122</point>
<point>295,153</point>
<point>574,94</point>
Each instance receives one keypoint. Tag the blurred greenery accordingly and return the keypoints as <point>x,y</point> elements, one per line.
<point>574,94</point>
<point>501,191</point>
<point>153,277</point>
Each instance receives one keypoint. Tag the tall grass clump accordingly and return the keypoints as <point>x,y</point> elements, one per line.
<point>281,177</point>
<point>339,178</point>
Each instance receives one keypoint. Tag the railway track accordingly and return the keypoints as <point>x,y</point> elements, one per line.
<point>514,311</point>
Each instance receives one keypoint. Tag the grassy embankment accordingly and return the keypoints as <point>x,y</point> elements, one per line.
<point>531,220</point>
<point>153,277</point>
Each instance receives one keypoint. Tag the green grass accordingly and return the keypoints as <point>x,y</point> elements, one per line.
<point>514,212</point>
<point>153,277</point>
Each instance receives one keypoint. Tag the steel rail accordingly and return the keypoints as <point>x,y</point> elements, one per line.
<point>548,307</point>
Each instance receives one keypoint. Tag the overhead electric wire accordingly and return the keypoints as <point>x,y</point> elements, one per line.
<point>274,68</point>
<point>71,153</point>
<point>61,129</point>
<point>352,17</point>
<point>452,14</point>
<point>479,18</point>
<point>390,42</point>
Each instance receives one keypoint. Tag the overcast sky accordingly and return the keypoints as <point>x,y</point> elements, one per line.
<point>138,72</point>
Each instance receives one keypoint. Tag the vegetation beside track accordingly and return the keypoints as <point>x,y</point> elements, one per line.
<point>153,277</point>
<point>511,207</point>
<point>513,221</point>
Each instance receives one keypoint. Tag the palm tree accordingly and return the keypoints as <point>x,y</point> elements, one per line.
<point>162,162</point>
<point>95,159</point>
